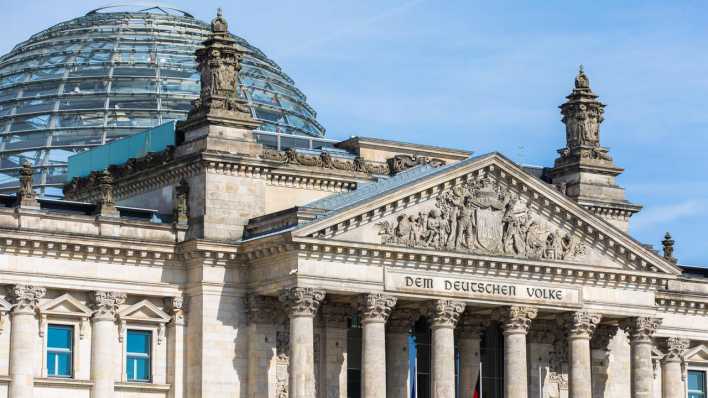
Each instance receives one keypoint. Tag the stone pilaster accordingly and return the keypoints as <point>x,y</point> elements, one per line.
<point>600,355</point>
<point>671,370</point>
<point>374,310</point>
<point>397,361</point>
<point>444,315</point>
<point>469,335</point>
<point>262,314</point>
<point>640,331</point>
<point>23,338</point>
<point>302,304</point>
<point>103,346</point>
<point>176,358</point>
<point>580,327</point>
<point>515,322</point>
<point>335,321</point>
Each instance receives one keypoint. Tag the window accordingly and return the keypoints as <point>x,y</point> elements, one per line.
<point>696,384</point>
<point>138,355</point>
<point>59,356</point>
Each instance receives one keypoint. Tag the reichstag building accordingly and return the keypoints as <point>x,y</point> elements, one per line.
<point>174,224</point>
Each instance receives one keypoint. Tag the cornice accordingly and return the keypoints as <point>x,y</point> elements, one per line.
<point>677,302</point>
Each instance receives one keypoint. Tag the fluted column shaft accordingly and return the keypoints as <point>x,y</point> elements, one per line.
<point>302,306</point>
<point>469,337</point>
<point>103,338</point>
<point>580,327</point>
<point>515,322</point>
<point>397,354</point>
<point>671,374</point>
<point>641,330</point>
<point>375,310</point>
<point>444,317</point>
<point>22,339</point>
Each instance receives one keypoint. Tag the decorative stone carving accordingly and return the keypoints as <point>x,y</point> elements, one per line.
<point>325,160</point>
<point>580,324</point>
<point>26,197</point>
<point>106,304</point>
<point>582,114</point>
<point>175,307</point>
<point>668,244</point>
<point>516,318</point>
<point>219,63</point>
<point>336,315</point>
<point>602,337</point>
<point>302,301</point>
<point>674,349</point>
<point>376,307</point>
<point>262,309</point>
<point>641,329</point>
<point>25,298</point>
<point>181,204</point>
<point>445,313</point>
<point>106,204</point>
<point>402,320</point>
<point>481,216</point>
<point>399,163</point>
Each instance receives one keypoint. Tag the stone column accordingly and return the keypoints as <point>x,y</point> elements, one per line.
<point>335,319</point>
<point>515,322</point>
<point>23,337</point>
<point>600,356</point>
<point>262,317</point>
<point>175,345</point>
<point>103,342</point>
<point>302,304</point>
<point>444,315</point>
<point>469,336</point>
<point>640,331</point>
<point>397,360</point>
<point>671,371</point>
<point>374,310</point>
<point>579,327</point>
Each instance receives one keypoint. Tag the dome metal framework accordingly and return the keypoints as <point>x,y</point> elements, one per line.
<point>112,73</point>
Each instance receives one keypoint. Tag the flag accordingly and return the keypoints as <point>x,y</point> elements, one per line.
<point>413,367</point>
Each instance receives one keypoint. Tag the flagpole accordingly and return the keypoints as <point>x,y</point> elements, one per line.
<point>481,381</point>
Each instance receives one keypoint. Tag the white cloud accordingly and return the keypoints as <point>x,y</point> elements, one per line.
<point>668,213</point>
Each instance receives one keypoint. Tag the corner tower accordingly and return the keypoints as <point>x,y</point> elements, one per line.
<point>584,171</point>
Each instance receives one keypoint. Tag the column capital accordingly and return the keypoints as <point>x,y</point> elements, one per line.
<point>376,307</point>
<point>580,324</point>
<point>675,348</point>
<point>471,325</point>
<point>302,301</point>
<point>641,328</point>
<point>262,309</point>
<point>402,320</point>
<point>336,315</point>
<point>105,304</point>
<point>175,307</point>
<point>445,313</point>
<point>516,318</point>
<point>25,298</point>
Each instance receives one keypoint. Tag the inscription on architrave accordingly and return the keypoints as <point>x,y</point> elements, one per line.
<point>477,288</point>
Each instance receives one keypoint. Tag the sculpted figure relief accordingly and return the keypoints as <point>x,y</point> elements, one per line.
<point>481,217</point>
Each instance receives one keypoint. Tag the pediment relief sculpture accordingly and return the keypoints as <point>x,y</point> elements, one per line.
<point>482,216</point>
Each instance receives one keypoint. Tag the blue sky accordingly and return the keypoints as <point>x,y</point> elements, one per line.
<point>489,76</point>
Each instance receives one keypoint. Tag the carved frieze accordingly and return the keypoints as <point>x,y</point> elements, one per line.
<point>25,298</point>
<point>325,160</point>
<point>481,216</point>
<point>376,307</point>
<point>400,163</point>
<point>302,301</point>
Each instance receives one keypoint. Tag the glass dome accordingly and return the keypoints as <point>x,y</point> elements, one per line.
<point>114,72</point>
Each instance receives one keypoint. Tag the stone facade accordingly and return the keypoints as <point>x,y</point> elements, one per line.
<point>274,263</point>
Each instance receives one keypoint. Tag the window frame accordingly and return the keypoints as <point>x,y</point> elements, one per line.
<point>704,371</point>
<point>72,350</point>
<point>150,332</point>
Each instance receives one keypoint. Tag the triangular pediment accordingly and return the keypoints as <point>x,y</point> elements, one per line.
<point>698,353</point>
<point>144,311</point>
<point>66,305</point>
<point>485,206</point>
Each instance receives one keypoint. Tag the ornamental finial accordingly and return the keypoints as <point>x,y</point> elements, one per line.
<point>668,244</point>
<point>219,24</point>
<point>582,81</point>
